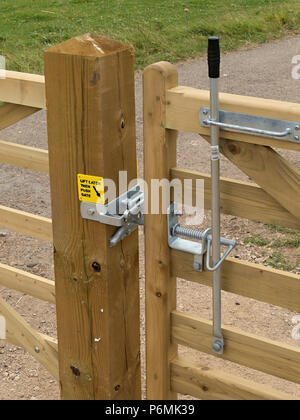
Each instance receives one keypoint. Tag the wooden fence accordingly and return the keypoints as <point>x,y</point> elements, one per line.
<point>91,130</point>
<point>24,95</point>
<point>169,108</point>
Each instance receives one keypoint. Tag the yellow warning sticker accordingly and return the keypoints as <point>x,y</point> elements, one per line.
<point>91,189</point>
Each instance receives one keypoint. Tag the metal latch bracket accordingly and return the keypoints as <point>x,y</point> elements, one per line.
<point>252,124</point>
<point>125,212</point>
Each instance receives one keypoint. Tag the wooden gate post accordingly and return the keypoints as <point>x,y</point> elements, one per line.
<point>91,131</point>
<point>160,156</point>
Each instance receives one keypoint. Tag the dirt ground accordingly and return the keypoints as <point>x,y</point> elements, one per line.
<point>263,71</point>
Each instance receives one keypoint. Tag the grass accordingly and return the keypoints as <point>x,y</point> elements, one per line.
<point>257,239</point>
<point>282,229</point>
<point>278,261</point>
<point>260,240</point>
<point>286,239</point>
<point>155,28</point>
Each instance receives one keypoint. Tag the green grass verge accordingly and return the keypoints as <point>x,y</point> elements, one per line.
<point>155,28</point>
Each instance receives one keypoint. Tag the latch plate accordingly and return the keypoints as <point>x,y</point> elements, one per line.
<point>252,124</point>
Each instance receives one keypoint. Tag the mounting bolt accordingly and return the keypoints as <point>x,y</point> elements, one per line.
<point>36,349</point>
<point>217,346</point>
<point>297,127</point>
<point>297,137</point>
<point>205,112</point>
<point>91,212</point>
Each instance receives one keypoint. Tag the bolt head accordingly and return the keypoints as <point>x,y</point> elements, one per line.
<point>217,346</point>
<point>91,212</point>
<point>36,349</point>
<point>297,127</point>
<point>297,137</point>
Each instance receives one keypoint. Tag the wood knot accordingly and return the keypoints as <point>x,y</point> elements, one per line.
<point>233,149</point>
<point>75,371</point>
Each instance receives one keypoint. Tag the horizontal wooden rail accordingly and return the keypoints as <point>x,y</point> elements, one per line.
<point>23,89</point>
<point>212,385</point>
<point>184,103</point>
<point>246,349</point>
<point>28,224</point>
<point>242,199</point>
<point>21,334</point>
<point>11,114</point>
<point>27,283</point>
<point>11,339</point>
<point>243,278</point>
<point>24,156</point>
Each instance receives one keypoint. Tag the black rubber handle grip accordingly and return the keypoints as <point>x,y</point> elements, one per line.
<point>214,57</point>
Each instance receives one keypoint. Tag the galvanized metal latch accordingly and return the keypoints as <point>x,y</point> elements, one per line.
<point>125,212</point>
<point>252,124</point>
<point>200,250</point>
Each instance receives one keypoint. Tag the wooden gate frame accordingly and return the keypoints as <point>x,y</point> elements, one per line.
<point>169,108</point>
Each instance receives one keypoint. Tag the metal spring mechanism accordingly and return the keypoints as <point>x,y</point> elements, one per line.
<point>202,256</point>
<point>196,248</point>
<point>206,237</point>
<point>188,233</point>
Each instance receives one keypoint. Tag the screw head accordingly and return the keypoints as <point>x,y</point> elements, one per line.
<point>297,137</point>
<point>36,349</point>
<point>205,112</point>
<point>297,127</point>
<point>91,212</point>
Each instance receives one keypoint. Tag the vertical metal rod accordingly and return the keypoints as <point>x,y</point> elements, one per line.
<point>214,73</point>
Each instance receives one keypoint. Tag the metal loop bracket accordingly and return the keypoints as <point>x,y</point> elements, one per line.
<point>226,242</point>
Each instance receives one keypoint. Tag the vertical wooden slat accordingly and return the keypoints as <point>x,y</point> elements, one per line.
<point>160,157</point>
<point>91,130</point>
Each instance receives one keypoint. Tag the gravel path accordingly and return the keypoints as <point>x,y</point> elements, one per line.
<point>264,71</point>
